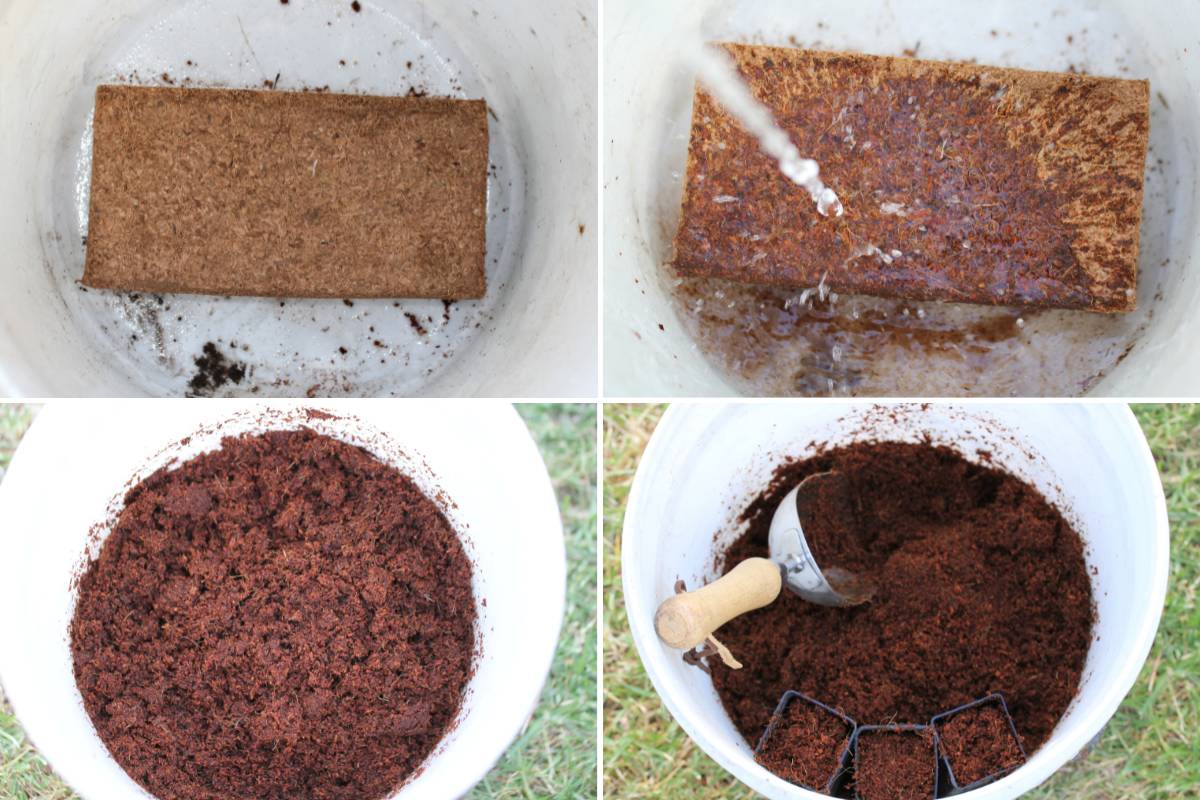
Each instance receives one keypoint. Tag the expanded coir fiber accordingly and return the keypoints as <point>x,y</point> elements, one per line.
<point>284,617</point>
<point>981,587</point>
<point>895,765</point>
<point>977,743</point>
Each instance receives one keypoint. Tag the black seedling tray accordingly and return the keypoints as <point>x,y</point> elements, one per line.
<point>945,784</point>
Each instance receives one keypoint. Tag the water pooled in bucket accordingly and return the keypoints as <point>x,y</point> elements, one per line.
<point>719,75</point>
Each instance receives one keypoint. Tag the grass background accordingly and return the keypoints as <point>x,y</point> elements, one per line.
<point>1150,749</point>
<point>555,755</point>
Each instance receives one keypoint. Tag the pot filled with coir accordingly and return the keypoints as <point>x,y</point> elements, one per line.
<point>252,601</point>
<point>1018,550</point>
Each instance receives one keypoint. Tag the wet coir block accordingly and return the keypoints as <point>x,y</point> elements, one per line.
<point>960,182</point>
<point>216,191</point>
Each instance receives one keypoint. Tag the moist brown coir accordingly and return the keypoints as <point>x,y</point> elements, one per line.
<point>284,617</point>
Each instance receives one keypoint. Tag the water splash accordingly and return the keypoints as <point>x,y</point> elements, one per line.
<point>717,72</point>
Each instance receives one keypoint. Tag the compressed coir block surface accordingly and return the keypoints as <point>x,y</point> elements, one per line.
<point>300,194</point>
<point>806,746</point>
<point>978,743</point>
<point>981,587</point>
<point>284,617</point>
<point>977,184</point>
<point>895,765</point>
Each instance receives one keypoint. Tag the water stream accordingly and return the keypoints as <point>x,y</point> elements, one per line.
<point>719,75</point>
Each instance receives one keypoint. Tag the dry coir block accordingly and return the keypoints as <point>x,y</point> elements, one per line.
<point>960,182</point>
<point>218,191</point>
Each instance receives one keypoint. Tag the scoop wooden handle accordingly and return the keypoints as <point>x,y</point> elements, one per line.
<point>685,620</point>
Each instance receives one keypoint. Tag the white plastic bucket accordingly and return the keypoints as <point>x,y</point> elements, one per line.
<point>534,63</point>
<point>648,93</point>
<point>78,456</point>
<point>706,462</point>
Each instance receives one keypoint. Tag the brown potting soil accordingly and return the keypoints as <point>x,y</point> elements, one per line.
<point>284,617</point>
<point>981,587</point>
<point>806,746</point>
<point>978,743</point>
<point>895,765</point>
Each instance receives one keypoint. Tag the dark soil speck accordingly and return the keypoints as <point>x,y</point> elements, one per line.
<point>214,370</point>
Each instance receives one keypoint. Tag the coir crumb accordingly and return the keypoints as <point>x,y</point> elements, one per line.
<point>214,370</point>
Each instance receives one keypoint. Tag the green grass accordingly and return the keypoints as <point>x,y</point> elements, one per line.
<point>14,420</point>
<point>646,754</point>
<point>555,755</point>
<point>1149,750</point>
<point>23,773</point>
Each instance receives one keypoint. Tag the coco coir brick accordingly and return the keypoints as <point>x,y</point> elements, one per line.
<point>300,194</point>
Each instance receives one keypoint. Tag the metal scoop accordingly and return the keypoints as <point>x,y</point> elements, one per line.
<point>687,619</point>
